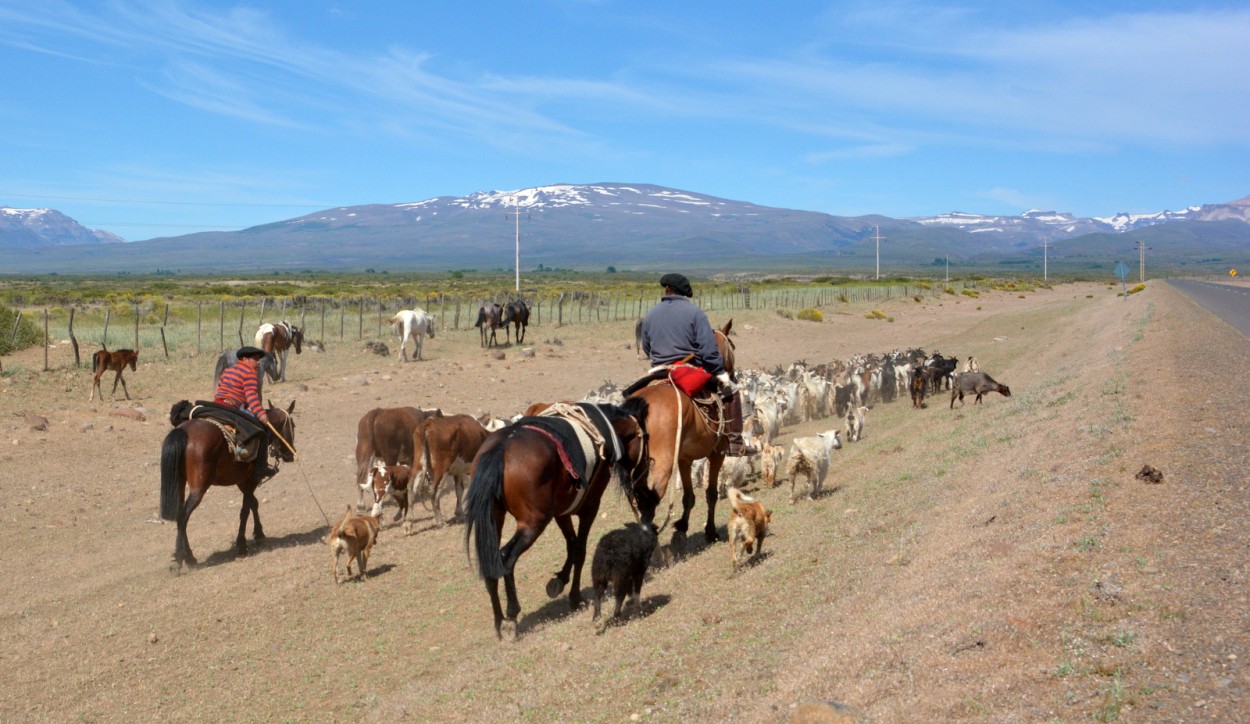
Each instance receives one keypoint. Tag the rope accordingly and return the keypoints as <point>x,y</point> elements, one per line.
<point>308,483</point>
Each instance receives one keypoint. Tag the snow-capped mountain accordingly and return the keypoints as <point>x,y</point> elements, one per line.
<point>638,226</point>
<point>28,228</point>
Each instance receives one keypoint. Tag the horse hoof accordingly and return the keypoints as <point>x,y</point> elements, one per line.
<point>507,631</point>
<point>576,603</point>
<point>554,587</point>
<point>711,535</point>
<point>679,540</point>
<point>175,568</point>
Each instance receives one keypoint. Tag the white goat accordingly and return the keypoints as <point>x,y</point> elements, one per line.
<point>810,457</point>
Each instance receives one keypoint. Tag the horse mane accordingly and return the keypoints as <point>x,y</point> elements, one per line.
<point>635,407</point>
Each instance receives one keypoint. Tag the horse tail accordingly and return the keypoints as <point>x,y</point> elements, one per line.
<point>481,317</point>
<point>485,493</point>
<point>172,453</point>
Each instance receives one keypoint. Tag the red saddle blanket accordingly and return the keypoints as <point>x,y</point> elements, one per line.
<point>689,379</point>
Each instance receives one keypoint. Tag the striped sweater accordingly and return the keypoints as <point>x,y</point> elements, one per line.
<point>239,387</point>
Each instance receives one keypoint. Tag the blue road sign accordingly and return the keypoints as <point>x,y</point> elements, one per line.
<point>1121,270</point>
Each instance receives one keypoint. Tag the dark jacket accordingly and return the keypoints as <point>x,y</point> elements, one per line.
<point>675,328</point>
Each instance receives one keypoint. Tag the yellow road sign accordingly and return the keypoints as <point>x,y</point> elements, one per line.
<point>1232,272</point>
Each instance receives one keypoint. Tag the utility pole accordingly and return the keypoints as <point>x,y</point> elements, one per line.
<point>1045,261</point>
<point>516,212</point>
<point>1141,261</point>
<point>876,235</point>
<point>948,268</point>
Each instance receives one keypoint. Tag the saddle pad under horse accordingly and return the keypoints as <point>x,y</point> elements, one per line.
<point>246,427</point>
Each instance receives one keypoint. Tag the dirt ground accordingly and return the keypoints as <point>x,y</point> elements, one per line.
<point>996,562</point>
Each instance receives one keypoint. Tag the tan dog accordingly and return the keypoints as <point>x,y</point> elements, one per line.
<point>770,460</point>
<point>354,536</point>
<point>748,525</point>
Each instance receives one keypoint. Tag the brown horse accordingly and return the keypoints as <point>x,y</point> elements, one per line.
<point>277,339</point>
<point>519,471</point>
<point>195,457</point>
<point>516,314</point>
<point>489,318</point>
<point>447,446</point>
<point>385,434</point>
<point>105,361</point>
<point>673,414</point>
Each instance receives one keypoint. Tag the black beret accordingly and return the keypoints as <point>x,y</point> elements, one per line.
<point>253,352</point>
<point>677,283</point>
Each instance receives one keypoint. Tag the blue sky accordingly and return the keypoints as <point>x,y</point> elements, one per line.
<point>163,118</point>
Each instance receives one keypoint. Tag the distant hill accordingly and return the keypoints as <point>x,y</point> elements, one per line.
<point>647,227</point>
<point>41,228</point>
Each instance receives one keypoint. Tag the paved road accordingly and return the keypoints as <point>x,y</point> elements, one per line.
<point>1229,302</point>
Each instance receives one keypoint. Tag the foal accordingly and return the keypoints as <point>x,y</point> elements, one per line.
<point>104,361</point>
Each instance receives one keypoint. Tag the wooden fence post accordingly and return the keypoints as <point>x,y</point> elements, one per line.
<point>72,339</point>
<point>221,328</point>
<point>360,332</point>
<point>323,321</point>
<point>342,318</point>
<point>260,319</point>
<point>108,315</point>
<point>16,323</point>
<point>45,339</point>
<point>164,344</point>
<point>242,311</point>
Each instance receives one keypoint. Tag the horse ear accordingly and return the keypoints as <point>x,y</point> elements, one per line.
<point>725,330</point>
<point>269,403</point>
<point>291,408</point>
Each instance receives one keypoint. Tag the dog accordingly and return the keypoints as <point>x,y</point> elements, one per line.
<point>748,526</point>
<point>770,460</point>
<point>620,563</point>
<point>355,536</point>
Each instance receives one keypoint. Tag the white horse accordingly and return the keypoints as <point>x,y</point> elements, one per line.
<point>414,324</point>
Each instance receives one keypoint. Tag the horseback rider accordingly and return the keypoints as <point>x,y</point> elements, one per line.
<point>239,387</point>
<point>674,330</point>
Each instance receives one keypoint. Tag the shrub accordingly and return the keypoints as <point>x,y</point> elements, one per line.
<point>1137,288</point>
<point>28,333</point>
<point>970,293</point>
<point>875,314</point>
<point>842,298</point>
<point>811,314</point>
<point>785,313</point>
<point>917,298</point>
<point>949,290</point>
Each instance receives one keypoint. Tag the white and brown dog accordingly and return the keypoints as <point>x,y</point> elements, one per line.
<point>355,536</point>
<point>748,525</point>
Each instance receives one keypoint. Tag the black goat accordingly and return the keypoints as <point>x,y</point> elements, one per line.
<point>975,383</point>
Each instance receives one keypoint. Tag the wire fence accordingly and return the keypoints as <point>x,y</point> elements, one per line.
<point>185,328</point>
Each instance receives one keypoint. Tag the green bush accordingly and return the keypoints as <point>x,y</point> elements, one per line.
<point>1137,288</point>
<point>811,314</point>
<point>785,313</point>
<point>875,314</point>
<point>970,293</point>
<point>949,290</point>
<point>28,333</point>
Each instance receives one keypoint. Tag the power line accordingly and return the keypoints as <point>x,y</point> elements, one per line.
<point>170,203</point>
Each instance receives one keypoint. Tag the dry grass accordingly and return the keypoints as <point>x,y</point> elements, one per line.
<point>995,561</point>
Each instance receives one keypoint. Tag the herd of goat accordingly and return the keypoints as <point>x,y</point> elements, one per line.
<point>842,390</point>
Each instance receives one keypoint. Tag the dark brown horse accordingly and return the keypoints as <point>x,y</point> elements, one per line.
<point>489,319</point>
<point>516,314</point>
<point>277,339</point>
<point>519,472</point>
<point>385,434</point>
<point>680,434</point>
<point>195,457</point>
<point>105,361</point>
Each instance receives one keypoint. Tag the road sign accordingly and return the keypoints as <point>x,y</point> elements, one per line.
<point>1121,270</point>
<point>1232,272</point>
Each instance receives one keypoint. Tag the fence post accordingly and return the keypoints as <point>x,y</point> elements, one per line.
<point>260,319</point>
<point>108,315</point>
<point>560,321</point>
<point>242,311</point>
<point>221,328</point>
<point>45,339</point>
<point>379,316</point>
<point>16,323</point>
<point>360,331</point>
<point>342,318</point>
<point>72,339</point>
<point>323,321</point>
<point>164,344</point>
<point>199,323</point>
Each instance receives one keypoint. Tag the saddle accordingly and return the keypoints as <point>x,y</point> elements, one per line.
<point>693,381</point>
<point>242,434</point>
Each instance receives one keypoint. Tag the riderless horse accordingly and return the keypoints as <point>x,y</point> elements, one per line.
<point>680,434</point>
<point>278,339</point>
<point>516,314</point>
<point>488,323</point>
<point>105,361</point>
<point>196,456</point>
<point>412,324</point>
<point>524,471</point>
<point>386,434</point>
